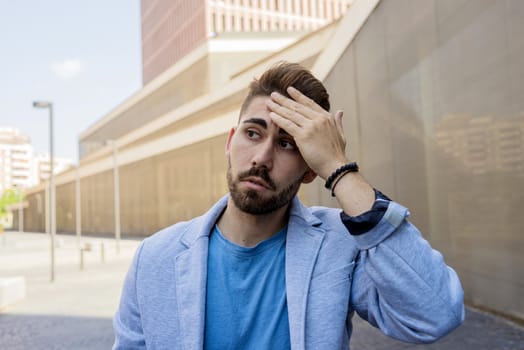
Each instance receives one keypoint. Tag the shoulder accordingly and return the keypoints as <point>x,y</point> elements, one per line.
<point>324,218</point>
<point>335,232</point>
<point>184,234</point>
<point>170,235</point>
<point>166,244</point>
<point>327,215</point>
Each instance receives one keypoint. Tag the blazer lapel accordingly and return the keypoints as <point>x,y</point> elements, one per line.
<point>190,282</point>
<point>191,279</point>
<point>302,247</point>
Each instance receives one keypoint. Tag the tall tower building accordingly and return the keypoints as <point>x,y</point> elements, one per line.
<point>173,28</point>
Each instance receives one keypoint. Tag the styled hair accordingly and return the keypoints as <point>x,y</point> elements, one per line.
<point>283,75</point>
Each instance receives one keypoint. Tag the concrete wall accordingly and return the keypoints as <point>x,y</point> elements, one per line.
<point>154,193</point>
<point>432,93</point>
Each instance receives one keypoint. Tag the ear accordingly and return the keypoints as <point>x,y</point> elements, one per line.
<point>228,142</point>
<point>309,176</point>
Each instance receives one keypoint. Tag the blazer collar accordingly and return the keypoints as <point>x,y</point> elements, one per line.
<point>203,225</point>
<point>206,222</point>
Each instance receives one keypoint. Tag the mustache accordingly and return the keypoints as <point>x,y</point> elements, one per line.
<point>260,172</point>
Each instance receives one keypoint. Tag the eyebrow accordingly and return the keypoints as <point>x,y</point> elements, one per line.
<point>258,121</point>
<point>263,123</point>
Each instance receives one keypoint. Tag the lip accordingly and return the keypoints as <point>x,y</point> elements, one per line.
<point>256,182</point>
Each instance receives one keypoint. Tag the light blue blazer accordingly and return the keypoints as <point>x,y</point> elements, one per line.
<point>390,276</point>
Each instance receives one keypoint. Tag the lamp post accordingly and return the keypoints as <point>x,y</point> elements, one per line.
<point>116,193</point>
<point>20,211</point>
<point>78,209</point>
<point>51,214</point>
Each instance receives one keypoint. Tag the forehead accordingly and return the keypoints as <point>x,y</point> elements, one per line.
<point>256,108</point>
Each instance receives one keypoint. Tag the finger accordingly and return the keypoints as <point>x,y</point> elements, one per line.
<point>303,99</point>
<point>338,120</point>
<point>292,105</point>
<point>287,113</point>
<point>285,124</point>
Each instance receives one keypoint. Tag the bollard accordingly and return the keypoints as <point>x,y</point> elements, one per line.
<point>102,251</point>
<point>86,247</point>
<point>81,259</point>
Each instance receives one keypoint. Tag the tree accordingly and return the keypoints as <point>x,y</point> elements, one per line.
<point>9,197</point>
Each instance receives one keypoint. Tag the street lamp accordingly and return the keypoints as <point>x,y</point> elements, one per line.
<point>51,214</point>
<point>78,209</point>
<point>116,193</point>
<point>20,211</point>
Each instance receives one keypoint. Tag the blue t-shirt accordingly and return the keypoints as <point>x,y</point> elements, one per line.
<point>246,305</point>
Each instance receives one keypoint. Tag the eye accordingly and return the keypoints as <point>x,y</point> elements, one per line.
<point>287,144</point>
<point>252,134</point>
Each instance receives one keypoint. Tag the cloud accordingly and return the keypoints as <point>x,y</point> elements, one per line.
<point>68,68</point>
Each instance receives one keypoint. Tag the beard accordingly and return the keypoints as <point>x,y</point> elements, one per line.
<point>251,202</point>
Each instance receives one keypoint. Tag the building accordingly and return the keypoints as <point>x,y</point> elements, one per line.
<point>190,48</point>
<point>431,92</point>
<point>173,29</point>
<point>16,155</point>
<point>41,169</point>
<point>19,167</point>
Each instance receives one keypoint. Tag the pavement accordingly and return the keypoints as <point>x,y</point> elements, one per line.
<point>75,311</point>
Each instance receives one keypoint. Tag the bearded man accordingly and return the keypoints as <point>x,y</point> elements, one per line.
<point>260,270</point>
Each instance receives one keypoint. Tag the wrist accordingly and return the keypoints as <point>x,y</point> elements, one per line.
<point>338,173</point>
<point>328,170</point>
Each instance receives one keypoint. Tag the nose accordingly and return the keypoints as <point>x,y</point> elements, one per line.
<point>264,155</point>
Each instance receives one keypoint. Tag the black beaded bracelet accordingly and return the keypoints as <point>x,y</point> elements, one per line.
<point>346,168</point>
<point>337,180</point>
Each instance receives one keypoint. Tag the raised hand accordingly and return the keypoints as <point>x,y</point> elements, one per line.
<point>318,134</point>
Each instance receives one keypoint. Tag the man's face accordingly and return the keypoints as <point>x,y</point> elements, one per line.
<point>265,166</point>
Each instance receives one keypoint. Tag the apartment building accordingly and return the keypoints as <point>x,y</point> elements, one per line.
<point>41,169</point>
<point>16,155</point>
<point>19,167</point>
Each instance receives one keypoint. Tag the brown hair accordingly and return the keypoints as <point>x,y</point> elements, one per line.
<point>283,75</point>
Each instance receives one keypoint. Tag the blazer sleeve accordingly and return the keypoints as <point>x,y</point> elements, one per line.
<point>127,321</point>
<point>401,285</point>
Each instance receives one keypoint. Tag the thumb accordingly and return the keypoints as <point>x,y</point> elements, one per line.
<point>338,120</point>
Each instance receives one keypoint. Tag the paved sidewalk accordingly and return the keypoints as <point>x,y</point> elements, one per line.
<point>75,312</point>
<point>480,331</point>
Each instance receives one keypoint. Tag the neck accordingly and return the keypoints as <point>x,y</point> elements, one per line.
<point>247,229</point>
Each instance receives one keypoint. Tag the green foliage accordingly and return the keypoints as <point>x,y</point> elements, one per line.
<point>9,197</point>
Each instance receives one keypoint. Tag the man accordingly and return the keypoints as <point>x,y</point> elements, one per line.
<point>261,271</point>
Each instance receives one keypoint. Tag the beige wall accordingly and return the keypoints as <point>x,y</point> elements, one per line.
<point>167,97</point>
<point>432,92</point>
<point>154,193</point>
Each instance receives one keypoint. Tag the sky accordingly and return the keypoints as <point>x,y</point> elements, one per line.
<point>83,56</point>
